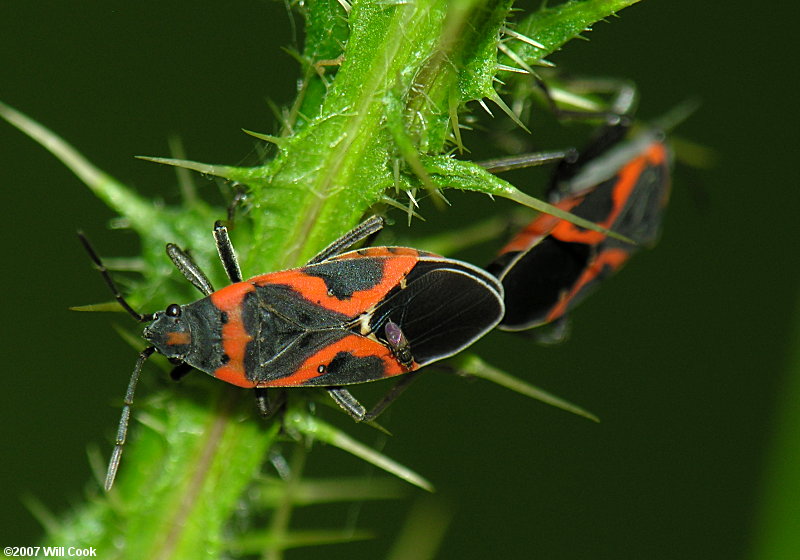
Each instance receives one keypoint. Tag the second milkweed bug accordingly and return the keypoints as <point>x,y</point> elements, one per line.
<point>617,182</point>
<point>342,319</point>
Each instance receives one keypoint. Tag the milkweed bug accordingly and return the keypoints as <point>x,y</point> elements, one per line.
<point>342,319</point>
<point>619,183</point>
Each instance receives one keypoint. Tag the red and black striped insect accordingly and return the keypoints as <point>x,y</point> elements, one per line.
<point>342,319</point>
<point>550,266</point>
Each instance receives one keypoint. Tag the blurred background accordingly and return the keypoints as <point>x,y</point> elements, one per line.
<point>688,356</point>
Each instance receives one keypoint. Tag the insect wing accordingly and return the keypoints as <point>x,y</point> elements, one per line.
<point>445,306</point>
<point>550,267</point>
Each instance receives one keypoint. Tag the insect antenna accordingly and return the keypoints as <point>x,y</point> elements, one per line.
<point>124,420</point>
<point>142,318</point>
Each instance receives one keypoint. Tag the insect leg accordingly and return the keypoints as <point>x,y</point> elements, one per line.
<point>179,371</point>
<point>351,406</point>
<point>361,231</point>
<point>498,165</point>
<point>402,384</point>
<point>226,252</point>
<point>266,406</point>
<point>348,403</point>
<point>239,196</point>
<point>622,104</point>
<point>190,270</point>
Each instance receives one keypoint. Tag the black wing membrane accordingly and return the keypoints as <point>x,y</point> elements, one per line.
<point>444,307</point>
<point>538,280</point>
<point>643,213</point>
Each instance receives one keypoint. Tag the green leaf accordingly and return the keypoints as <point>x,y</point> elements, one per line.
<point>776,537</point>
<point>317,429</point>
<point>449,172</point>
<point>551,28</point>
<point>256,543</point>
<point>323,491</point>
<point>475,366</point>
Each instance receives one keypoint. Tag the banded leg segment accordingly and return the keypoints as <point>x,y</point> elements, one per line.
<point>184,262</point>
<point>361,231</point>
<point>226,252</point>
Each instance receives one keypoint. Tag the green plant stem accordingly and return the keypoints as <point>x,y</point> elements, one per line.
<point>279,527</point>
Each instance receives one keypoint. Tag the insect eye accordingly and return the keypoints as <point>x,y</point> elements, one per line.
<point>173,310</point>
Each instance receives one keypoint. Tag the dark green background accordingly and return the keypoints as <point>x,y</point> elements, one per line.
<point>683,356</point>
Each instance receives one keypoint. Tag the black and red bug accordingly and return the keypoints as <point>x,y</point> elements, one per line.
<point>551,265</point>
<point>342,319</point>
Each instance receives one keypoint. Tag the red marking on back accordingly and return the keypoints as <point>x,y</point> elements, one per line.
<point>627,179</point>
<point>313,288</point>
<point>610,259</point>
<point>656,153</point>
<point>234,336</point>
<point>179,338</point>
<point>539,228</point>
<point>354,344</point>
